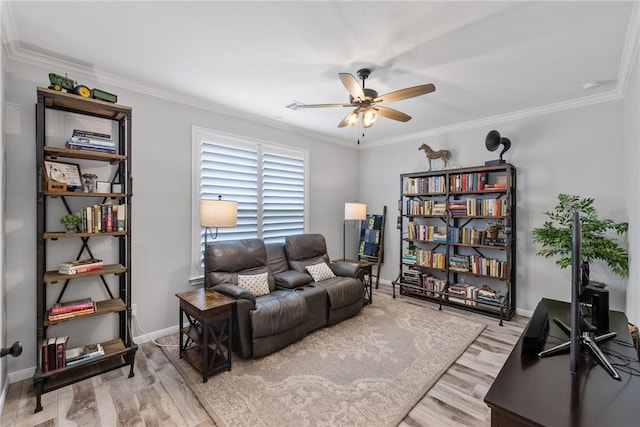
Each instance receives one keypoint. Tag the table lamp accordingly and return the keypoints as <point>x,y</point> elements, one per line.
<point>352,212</point>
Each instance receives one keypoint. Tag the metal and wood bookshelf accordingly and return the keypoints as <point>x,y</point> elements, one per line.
<point>109,287</point>
<point>448,255</point>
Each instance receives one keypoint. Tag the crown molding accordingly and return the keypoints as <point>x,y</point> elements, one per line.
<point>501,118</point>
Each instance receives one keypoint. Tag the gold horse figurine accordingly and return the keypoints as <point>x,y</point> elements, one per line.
<point>440,154</point>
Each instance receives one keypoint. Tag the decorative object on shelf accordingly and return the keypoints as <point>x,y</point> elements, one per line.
<point>555,235</point>
<point>103,187</point>
<point>71,222</point>
<point>493,228</point>
<point>216,214</point>
<point>116,188</point>
<point>492,142</point>
<point>71,86</point>
<point>60,176</point>
<point>90,182</point>
<point>444,155</point>
<point>352,212</point>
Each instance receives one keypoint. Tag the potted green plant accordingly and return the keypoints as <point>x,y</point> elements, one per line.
<point>597,241</point>
<point>71,222</point>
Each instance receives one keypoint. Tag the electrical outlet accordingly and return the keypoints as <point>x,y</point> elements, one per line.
<point>134,309</point>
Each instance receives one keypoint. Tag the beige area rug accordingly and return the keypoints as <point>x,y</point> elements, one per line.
<point>369,370</point>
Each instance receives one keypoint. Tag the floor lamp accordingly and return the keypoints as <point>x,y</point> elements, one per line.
<point>352,212</point>
<point>216,214</point>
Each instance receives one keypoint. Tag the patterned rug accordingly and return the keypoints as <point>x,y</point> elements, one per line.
<point>369,370</point>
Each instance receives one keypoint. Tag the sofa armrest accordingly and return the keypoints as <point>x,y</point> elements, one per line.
<point>235,292</point>
<point>291,279</point>
<point>347,269</point>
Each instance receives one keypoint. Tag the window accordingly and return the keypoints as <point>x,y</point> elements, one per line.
<point>268,182</point>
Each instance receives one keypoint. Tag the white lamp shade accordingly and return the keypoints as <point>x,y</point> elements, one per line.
<point>218,213</point>
<point>355,211</point>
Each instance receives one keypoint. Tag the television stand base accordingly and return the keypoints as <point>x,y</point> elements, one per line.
<point>588,341</point>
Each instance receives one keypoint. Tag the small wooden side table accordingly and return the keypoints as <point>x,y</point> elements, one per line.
<point>206,341</point>
<point>367,267</point>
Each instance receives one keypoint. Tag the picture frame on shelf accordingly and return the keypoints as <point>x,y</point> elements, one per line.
<point>103,187</point>
<point>60,175</point>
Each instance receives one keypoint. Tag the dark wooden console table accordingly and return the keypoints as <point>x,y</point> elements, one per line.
<point>530,391</point>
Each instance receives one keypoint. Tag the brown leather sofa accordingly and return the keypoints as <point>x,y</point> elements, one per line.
<point>295,304</point>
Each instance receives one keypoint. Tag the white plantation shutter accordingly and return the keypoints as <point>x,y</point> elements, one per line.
<point>282,196</point>
<point>267,181</point>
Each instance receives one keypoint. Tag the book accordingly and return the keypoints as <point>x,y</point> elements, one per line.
<point>71,314</point>
<point>80,266</point>
<point>77,355</point>
<point>91,134</point>
<point>73,305</point>
<point>121,219</point>
<point>51,354</point>
<point>61,344</point>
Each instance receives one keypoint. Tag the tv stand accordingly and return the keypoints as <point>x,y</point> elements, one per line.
<point>588,342</point>
<point>530,391</point>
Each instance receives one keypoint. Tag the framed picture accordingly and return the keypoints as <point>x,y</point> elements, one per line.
<point>103,187</point>
<point>65,173</point>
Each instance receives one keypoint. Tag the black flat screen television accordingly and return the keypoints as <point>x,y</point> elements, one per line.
<point>582,335</point>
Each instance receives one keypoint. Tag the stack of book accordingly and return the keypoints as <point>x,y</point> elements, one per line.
<point>69,309</point>
<point>91,141</point>
<point>80,266</point>
<point>491,296</point>
<point>77,355</point>
<point>459,263</point>
<point>53,353</point>
<point>463,293</point>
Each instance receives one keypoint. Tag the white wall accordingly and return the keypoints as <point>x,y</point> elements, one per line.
<point>579,151</point>
<point>632,189</point>
<point>161,167</point>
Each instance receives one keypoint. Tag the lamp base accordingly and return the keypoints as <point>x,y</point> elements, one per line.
<point>494,162</point>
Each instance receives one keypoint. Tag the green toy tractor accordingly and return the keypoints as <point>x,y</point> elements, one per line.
<point>58,83</point>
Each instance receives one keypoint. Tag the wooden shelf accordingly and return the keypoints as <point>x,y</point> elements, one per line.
<point>114,358</point>
<point>115,305</point>
<point>55,152</point>
<point>54,276</point>
<point>77,104</point>
<point>84,194</point>
<point>64,235</point>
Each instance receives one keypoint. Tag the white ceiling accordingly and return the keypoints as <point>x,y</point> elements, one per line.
<point>486,59</point>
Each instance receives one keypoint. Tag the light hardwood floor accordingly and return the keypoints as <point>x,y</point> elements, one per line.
<point>158,396</point>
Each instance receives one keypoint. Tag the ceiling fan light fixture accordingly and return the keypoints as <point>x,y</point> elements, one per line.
<point>353,118</point>
<point>369,117</point>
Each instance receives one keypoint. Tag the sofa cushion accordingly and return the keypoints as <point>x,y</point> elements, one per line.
<point>276,258</point>
<point>320,272</point>
<point>278,312</point>
<point>257,284</point>
<point>305,249</point>
<point>291,279</point>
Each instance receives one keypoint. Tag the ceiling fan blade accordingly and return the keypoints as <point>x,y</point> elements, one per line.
<point>352,85</point>
<point>390,113</point>
<point>297,106</point>
<point>406,93</point>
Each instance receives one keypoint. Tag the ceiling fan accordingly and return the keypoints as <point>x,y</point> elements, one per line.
<point>367,102</point>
